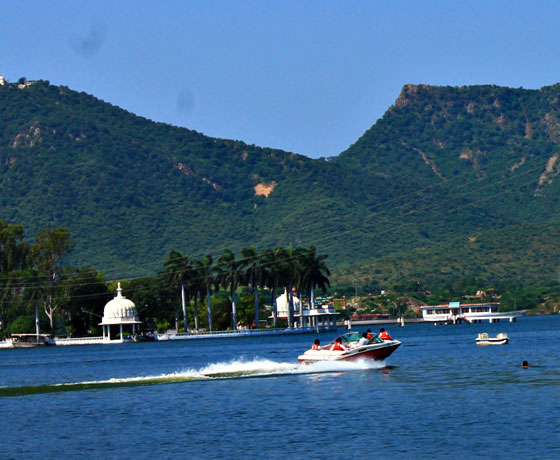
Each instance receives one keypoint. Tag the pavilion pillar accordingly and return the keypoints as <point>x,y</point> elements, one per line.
<point>120,329</point>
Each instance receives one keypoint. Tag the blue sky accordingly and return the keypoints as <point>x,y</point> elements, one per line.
<point>305,76</point>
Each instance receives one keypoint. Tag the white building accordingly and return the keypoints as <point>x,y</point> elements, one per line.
<point>455,312</point>
<point>283,305</point>
<point>321,318</point>
<point>119,312</point>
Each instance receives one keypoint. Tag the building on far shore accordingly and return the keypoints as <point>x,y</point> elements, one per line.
<point>119,311</point>
<point>455,312</point>
<point>319,318</point>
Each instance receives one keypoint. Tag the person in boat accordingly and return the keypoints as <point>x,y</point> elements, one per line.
<point>337,345</point>
<point>369,334</point>
<point>316,345</point>
<point>384,335</point>
<point>364,340</point>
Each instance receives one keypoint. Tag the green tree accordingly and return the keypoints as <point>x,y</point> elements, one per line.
<point>179,271</point>
<point>272,264</point>
<point>15,270</point>
<point>14,250</point>
<point>153,301</point>
<point>205,271</point>
<point>314,271</point>
<point>50,248</point>
<point>230,276</point>
<point>87,295</point>
<point>254,275</point>
<point>290,277</point>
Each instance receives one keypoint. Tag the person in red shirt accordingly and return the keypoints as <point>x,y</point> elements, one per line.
<point>316,345</point>
<point>337,345</point>
<point>384,335</point>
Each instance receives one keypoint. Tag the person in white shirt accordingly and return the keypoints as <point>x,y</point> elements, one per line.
<point>364,340</point>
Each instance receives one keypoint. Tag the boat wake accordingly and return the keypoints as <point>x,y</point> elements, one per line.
<point>266,368</point>
<point>216,371</point>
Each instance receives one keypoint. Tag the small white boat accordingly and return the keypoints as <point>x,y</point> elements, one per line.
<point>484,339</point>
<point>376,349</point>
<point>8,343</point>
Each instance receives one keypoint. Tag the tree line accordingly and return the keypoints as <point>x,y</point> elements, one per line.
<point>299,269</point>
<point>33,277</point>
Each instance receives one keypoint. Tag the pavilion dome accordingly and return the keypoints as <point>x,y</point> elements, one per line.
<point>283,304</point>
<point>120,310</point>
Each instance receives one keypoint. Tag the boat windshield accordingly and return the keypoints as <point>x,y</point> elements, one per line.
<point>351,337</point>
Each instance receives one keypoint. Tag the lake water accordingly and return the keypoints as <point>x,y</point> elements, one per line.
<point>438,396</point>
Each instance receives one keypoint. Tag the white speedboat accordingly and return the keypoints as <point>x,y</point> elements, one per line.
<point>376,349</point>
<point>484,339</point>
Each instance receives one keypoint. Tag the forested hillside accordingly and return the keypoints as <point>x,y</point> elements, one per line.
<point>483,161</point>
<point>130,190</point>
<point>449,182</point>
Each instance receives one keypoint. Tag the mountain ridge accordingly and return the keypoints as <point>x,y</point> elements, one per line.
<point>442,161</point>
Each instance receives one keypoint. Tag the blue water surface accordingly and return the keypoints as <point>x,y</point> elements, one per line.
<point>438,396</point>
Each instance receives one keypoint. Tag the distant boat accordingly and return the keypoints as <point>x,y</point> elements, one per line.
<point>24,341</point>
<point>145,337</point>
<point>500,339</point>
<point>8,343</point>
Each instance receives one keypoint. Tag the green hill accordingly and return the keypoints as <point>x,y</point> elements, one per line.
<point>441,167</point>
<point>483,160</point>
<point>130,190</point>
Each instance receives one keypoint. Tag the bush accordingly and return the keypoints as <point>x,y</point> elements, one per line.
<point>24,324</point>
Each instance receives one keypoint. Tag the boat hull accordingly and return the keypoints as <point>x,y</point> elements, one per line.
<point>377,352</point>
<point>484,339</point>
<point>486,342</point>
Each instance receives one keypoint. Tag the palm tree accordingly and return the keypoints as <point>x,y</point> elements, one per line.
<point>205,269</point>
<point>314,271</point>
<point>254,274</point>
<point>230,276</point>
<point>194,289</point>
<point>289,278</point>
<point>178,270</point>
<point>272,259</point>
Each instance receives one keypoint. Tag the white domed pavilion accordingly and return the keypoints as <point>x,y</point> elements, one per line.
<point>119,311</point>
<point>283,305</point>
<point>316,318</point>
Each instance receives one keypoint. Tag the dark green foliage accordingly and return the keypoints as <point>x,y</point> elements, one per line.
<point>442,166</point>
<point>87,295</point>
<point>130,190</point>
<point>25,324</point>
